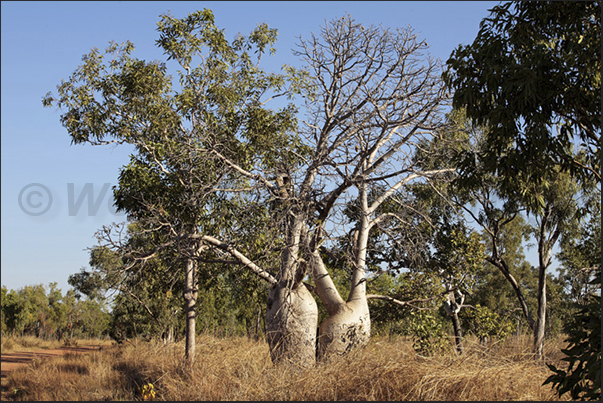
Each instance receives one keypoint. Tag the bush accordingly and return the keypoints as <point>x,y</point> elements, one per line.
<point>428,333</point>
<point>583,376</point>
<point>485,323</point>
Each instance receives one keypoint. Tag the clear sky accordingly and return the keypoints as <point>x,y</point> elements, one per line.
<point>45,240</point>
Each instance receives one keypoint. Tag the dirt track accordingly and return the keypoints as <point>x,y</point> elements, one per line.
<point>14,360</point>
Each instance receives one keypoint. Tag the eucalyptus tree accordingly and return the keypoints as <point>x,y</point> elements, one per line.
<point>560,198</point>
<point>533,76</point>
<point>497,292</point>
<point>557,216</point>
<point>494,201</point>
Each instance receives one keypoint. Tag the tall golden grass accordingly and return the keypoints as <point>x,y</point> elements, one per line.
<point>238,368</point>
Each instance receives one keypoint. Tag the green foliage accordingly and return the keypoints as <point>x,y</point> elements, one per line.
<point>191,119</point>
<point>484,323</point>
<point>533,77</point>
<point>391,318</point>
<point>492,289</point>
<point>459,254</point>
<point>581,248</point>
<point>582,379</point>
<point>429,332</point>
<point>33,311</point>
<point>178,127</point>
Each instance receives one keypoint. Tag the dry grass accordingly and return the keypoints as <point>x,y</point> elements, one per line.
<point>29,343</point>
<point>26,343</point>
<point>240,369</point>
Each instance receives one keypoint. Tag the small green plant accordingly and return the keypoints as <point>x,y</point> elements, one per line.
<point>429,335</point>
<point>18,392</point>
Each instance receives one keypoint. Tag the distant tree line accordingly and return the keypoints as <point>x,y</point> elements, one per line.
<point>45,312</point>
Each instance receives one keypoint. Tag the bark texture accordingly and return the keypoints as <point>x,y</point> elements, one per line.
<point>291,321</point>
<point>190,300</point>
<point>541,317</point>
<point>347,329</point>
<point>348,325</point>
<point>453,307</point>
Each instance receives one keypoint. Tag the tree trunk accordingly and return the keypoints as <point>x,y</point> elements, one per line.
<point>452,309</point>
<point>291,321</point>
<point>348,325</point>
<point>292,313</point>
<point>541,319</point>
<point>545,249</point>
<point>347,329</point>
<point>168,335</point>
<point>458,334</point>
<point>190,299</point>
<point>501,265</point>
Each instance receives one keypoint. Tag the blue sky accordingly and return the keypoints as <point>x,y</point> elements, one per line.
<point>43,42</point>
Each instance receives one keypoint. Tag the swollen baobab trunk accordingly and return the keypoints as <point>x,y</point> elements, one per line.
<point>348,325</point>
<point>291,321</point>
<point>292,313</point>
<point>346,329</point>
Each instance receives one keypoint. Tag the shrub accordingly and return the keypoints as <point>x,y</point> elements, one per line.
<point>583,353</point>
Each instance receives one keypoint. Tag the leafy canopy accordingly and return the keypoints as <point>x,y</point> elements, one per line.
<point>533,76</point>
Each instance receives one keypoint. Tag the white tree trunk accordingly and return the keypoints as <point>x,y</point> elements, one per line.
<point>291,321</point>
<point>541,318</point>
<point>545,250</point>
<point>292,313</point>
<point>348,325</point>
<point>190,300</point>
<point>347,329</point>
<point>544,261</point>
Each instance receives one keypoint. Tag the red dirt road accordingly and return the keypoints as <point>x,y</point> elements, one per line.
<point>14,360</point>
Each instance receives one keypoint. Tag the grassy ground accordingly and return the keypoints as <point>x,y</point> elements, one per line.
<point>30,343</point>
<point>240,369</point>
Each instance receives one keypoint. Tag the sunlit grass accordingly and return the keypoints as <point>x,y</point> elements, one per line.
<point>30,343</point>
<point>237,368</point>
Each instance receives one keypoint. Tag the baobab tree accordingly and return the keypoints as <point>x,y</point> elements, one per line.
<point>219,178</point>
<point>379,97</point>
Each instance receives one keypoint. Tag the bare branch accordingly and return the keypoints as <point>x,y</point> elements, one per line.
<point>411,302</point>
<point>242,258</point>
